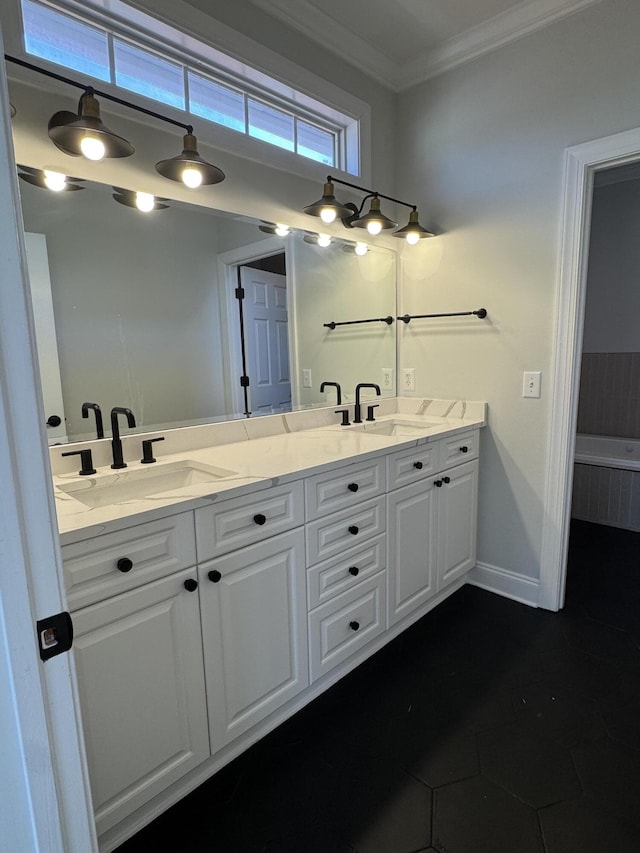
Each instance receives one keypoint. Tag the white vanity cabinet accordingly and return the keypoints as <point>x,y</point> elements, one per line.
<point>253,601</point>
<point>431,521</point>
<point>141,681</point>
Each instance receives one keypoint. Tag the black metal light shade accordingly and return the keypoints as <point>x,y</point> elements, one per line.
<point>48,180</point>
<point>189,167</point>
<point>374,221</point>
<point>328,208</point>
<point>413,231</point>
<point>85,133</point>
<point>131,198</point>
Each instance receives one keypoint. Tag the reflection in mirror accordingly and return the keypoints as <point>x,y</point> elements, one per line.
<point>146,315</point>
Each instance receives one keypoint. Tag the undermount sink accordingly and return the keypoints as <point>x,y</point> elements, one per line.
<point>139,483</point>
<point>399,426</point>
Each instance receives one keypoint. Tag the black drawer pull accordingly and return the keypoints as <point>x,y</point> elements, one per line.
<point>354,570</point>
<point>259,518</point>
<point>437,483</point>
<point>214,576</point>
<point>191,585</point>
<point>124,564</point>
<point>418,465</point>
<point>464,449</point>
<point>353,487</point>
<point>446,479</point>
<point>353,529</point>
<point>354,625</point>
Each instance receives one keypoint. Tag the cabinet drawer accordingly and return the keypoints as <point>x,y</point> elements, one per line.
<point>336,490</point>
<point>452,450</point>
<point>345,624</point>
<point>115,562</point>
<point>329,536</point>
<point>331,577</point>
<point>242,521</point>
<point>409,466</point>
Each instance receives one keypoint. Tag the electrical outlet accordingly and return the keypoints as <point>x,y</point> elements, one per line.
<point>306,378</point>
<point>408,379</point>
<point>387,378</point>
<point>531,383</point>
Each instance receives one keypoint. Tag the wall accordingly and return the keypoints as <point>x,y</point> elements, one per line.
<point>485,144</point>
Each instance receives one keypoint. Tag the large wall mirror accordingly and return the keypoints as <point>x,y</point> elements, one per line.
<point>145,315</point>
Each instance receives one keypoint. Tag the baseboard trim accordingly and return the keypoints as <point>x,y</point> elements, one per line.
<point>504,582</point>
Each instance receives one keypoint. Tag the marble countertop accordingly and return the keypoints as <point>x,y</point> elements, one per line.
<point>256,463</point>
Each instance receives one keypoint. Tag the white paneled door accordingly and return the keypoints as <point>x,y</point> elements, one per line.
<point>266,340</point>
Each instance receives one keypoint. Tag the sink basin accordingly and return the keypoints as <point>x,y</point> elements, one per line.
<point>400,426</point>
<point>139,483</point>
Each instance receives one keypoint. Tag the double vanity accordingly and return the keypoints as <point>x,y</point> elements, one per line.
<point>220,589</point>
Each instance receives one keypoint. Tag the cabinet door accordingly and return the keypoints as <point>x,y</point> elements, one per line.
<point>457,510</point>
<point>141,684</point>
<point>254,633</point>
<point>411,535</point>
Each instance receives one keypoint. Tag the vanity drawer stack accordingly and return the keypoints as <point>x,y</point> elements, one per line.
<point>346,559</point>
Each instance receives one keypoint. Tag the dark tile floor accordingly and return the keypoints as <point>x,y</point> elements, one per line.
<point>488,727</point>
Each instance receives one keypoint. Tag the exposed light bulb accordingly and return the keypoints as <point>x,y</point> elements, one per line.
<point>412,238</point>
<point>374,227</point>
<point>361,249</point>
<point>328,215</point>
<point>324,240</point>
<point>192,177</point>
<point>281,230</point>
<point>92,148</point>
<point>145,202</point>
<point>55,181</point>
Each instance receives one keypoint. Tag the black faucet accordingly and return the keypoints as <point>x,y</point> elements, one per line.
<point>98,413</point>
<point>116,444</point>
<point>335,385</point>
<point>357,411</point>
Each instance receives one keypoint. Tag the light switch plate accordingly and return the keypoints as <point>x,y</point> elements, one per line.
<point>306,378</point>
<point>531,380</point>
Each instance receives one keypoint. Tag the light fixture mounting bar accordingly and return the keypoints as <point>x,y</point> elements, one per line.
<point>93,91</point>
<point>370,193</point>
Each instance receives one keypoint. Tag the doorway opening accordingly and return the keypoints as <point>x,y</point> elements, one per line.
<point>582,164</point>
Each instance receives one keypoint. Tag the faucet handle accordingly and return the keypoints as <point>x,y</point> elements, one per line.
<point>147,450</point>
<point>86,460</point>
<point>370,409</point>
<point>345,416</point>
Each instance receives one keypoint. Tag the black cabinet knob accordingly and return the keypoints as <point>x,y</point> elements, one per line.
<point>259,518</point>
<point>464,449</point>
<point>214,576</point>
<point>124,564</point>
<point>54,420</point>
<point>418,465</point>
<point>437,483</point>
<point>354,570</point>
<point>353,487</point>
<point>353,529</point>
<point>354,625</point>
<point>446,479</point>
<point>191,584</point>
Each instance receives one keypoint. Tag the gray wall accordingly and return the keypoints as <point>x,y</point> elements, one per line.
<point>484,143</point>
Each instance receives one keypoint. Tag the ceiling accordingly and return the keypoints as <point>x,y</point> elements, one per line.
<point>403,42</point>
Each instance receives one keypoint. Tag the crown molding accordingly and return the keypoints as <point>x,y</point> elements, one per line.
<point>515,23</point>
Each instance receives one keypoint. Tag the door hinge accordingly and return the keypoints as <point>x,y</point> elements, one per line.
<point>240,293</point>
<point>244,381</point>
<point>55,635</point>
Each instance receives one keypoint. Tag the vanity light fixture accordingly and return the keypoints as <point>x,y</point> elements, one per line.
<point>322,240</point>
<point>145,202</point>
<point>375,221</point>
<point>86,134</point>
<point>277,228</point>
<point>48,179</point>
<point>189,167</point>
<point>356,248</point>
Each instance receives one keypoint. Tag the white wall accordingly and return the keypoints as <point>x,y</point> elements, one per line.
<point>484,145</point>
<point>613,295</point>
